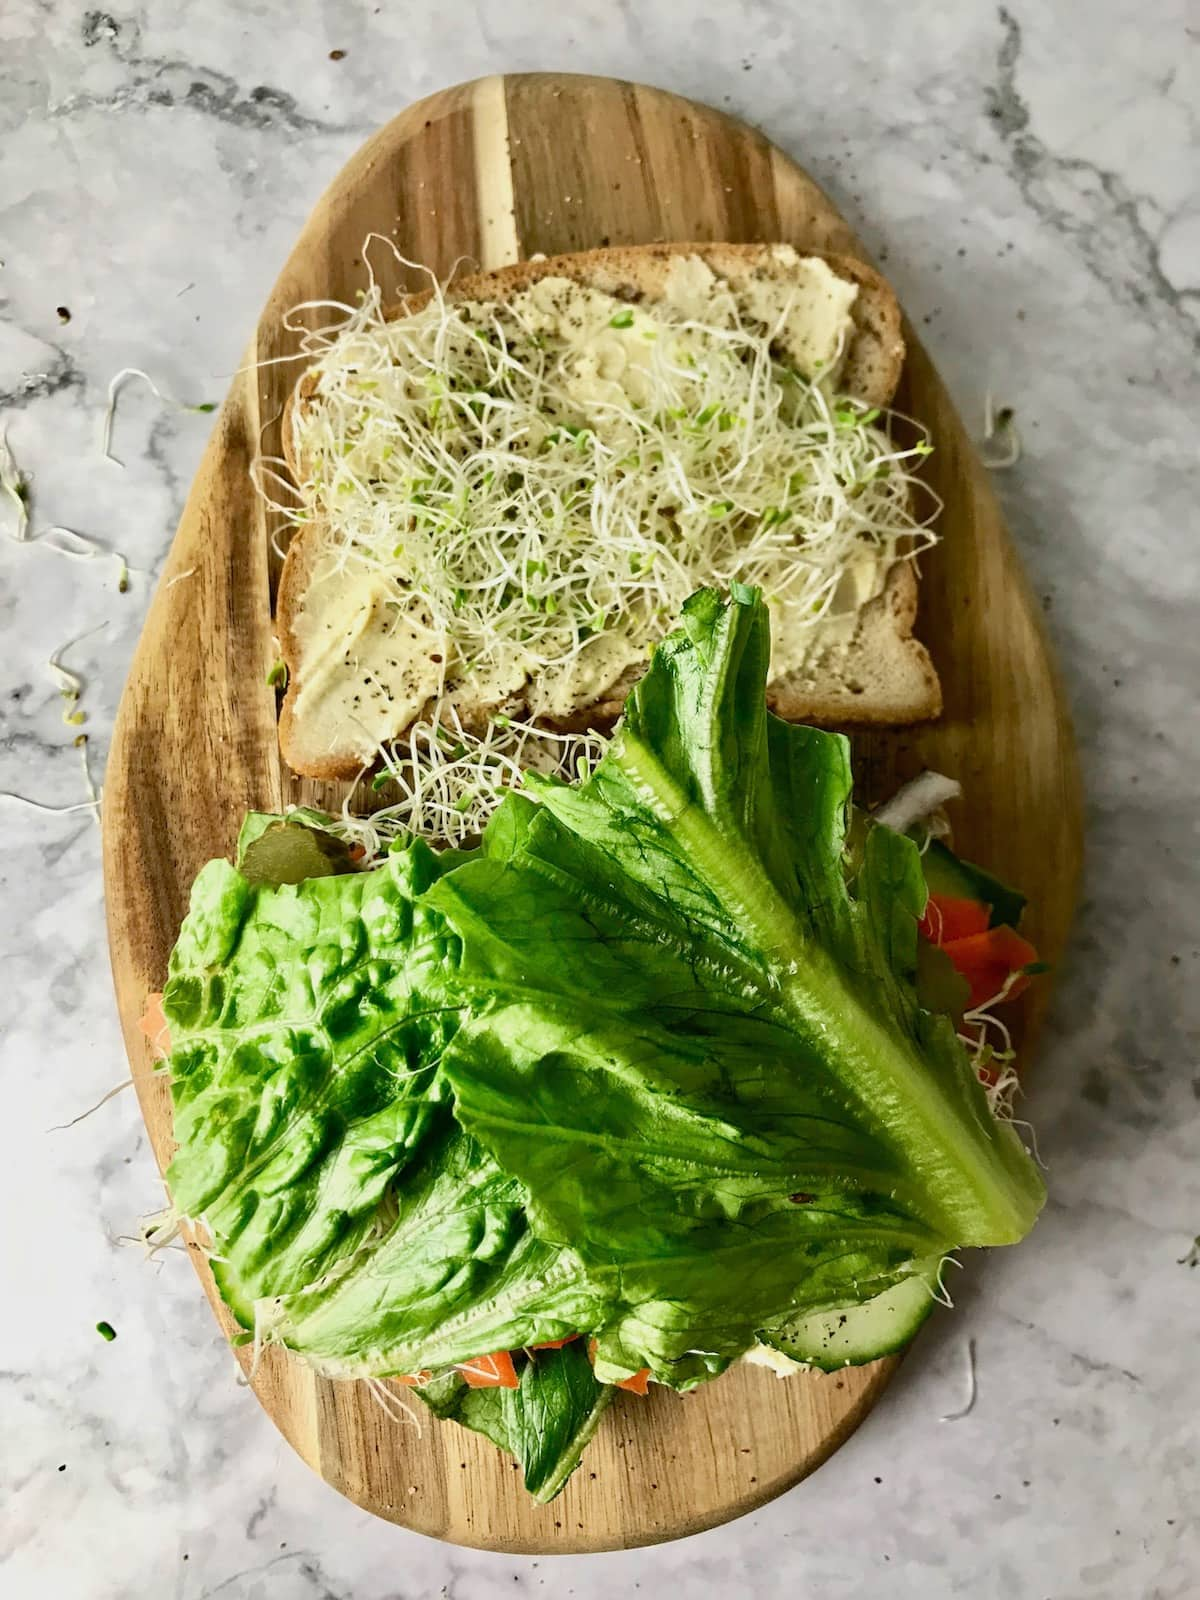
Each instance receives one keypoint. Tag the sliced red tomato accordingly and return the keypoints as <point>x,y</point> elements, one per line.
<point>490,1372</point>
<point>554,1344</point>
<point>987,960</point>
<point>412,1380</point>
<point>154,1025</point>
<point>947,918</point>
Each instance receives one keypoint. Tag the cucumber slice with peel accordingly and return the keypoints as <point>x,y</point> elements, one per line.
<point>853,1335</point>
<point>948,874</point>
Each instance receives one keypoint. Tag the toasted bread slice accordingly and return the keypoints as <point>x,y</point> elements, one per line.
<point>882,674</point>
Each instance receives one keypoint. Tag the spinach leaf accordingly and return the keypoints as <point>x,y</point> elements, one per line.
<point>552,1415</point>
<point>544,1424</point>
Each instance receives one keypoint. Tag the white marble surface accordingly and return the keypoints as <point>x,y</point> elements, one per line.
<point>1032,175</point>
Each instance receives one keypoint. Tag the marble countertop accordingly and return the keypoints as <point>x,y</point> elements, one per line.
<point>1032,173</point>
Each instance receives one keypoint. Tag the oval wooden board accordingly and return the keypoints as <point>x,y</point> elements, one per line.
<point>494,171</point>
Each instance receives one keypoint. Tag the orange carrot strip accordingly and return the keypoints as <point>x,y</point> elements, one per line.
<point>154,1025</point>
<point>638,1384</point>
<point>490,1372</point>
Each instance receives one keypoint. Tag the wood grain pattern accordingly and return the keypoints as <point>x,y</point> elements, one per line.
<point>493,171</point>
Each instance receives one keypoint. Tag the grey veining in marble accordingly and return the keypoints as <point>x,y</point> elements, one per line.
<point>1029,175</point>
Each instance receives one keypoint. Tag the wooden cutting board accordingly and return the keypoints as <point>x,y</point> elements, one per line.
<point>495,171</point>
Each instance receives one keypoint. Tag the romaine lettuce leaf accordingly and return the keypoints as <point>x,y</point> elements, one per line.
<point>704,1057</point>
<point>349,1214</point>
<point>307,1023</point>
<point>452,1272</point>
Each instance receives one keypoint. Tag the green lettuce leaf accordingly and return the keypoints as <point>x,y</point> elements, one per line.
<point>544,1424</point>
<point>307,1023</point>
<point>350,1217</point>
<point>453,1271</point>
<point>704,1057</point>
<point>652,1065</point>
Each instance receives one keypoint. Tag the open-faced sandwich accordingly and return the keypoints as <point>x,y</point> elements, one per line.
<point>685,1059</point>
<point>507,489</point>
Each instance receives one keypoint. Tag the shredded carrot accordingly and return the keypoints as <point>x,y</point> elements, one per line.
<point>490,1372</point>
<point>154,1025</point>
<point>412,1380</point>
<point>638,1384</point>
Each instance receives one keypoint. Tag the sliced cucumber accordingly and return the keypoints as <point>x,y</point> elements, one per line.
<point>946,874</point>
<point>856,1334</point>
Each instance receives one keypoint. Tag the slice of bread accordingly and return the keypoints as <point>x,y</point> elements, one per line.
<point>881,674</point>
